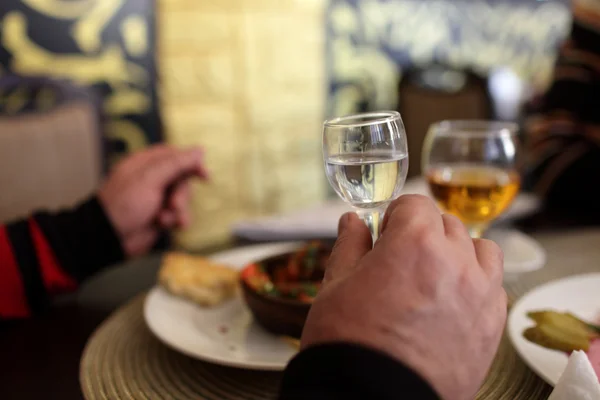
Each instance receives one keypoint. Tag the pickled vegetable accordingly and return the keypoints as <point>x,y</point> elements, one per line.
<point>566,322</point>
<point>552,337</point>
<point>561,331</point>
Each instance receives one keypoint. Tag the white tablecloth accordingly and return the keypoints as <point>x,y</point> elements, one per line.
<point>321,221</point>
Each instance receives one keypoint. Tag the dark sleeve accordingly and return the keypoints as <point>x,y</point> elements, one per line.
<point>348,372</point>
<point>50,253</point>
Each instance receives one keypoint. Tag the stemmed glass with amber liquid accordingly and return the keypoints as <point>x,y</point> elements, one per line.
<point>471,168</point>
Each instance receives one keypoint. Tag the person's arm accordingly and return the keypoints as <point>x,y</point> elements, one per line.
<point>347,372</point>
<point>49,254</point>
<point>563,134</point>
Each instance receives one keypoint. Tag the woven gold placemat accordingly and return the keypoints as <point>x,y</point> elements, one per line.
<point>123,360</point>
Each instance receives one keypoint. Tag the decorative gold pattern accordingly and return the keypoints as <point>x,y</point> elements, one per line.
<point>61,9</point>
<point>116,60</point>
<point>29,58</point>
<point>135,33</point>
<point>371,40</point>
<point>88,29</point>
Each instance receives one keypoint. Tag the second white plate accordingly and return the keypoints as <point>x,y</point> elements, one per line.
<point>578,295</point>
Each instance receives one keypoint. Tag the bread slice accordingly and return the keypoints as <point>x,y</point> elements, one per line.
<point>198,279</point>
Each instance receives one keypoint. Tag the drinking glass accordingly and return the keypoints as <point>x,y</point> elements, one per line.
<point>366,161</point>
<point>471,168</point>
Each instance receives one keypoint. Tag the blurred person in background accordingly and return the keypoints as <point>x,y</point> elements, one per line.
<point>563,132</point>
<point>49,254</point>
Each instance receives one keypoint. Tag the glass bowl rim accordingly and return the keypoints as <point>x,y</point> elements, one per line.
<point>371,118</point>
<point>474,128</point>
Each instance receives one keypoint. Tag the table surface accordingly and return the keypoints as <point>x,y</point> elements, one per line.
<point>41,356</point>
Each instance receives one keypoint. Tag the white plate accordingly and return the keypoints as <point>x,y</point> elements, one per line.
<point>579,295</point>
<point>522,253</point>
<point>226,335</point>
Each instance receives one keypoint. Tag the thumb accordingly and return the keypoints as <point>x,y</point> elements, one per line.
<point>353,242</point>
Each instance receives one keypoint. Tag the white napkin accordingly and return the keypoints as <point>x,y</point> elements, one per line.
<point>578,381</point>
<point>321,221</point>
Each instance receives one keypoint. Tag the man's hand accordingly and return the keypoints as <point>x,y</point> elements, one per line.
<point>149,191</point>
<point>426,294</point>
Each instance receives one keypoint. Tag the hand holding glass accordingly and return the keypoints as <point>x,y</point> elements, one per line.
<point>366,162</point>
<point>471,168</point>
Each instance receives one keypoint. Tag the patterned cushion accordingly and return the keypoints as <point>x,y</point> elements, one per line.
<point>48,160</point>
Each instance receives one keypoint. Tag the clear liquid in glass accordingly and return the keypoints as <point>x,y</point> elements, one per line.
<point>368,180</point>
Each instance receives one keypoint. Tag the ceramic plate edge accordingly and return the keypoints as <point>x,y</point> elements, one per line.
<point>515,336</point>
<point>157,332</point>
<point>276,248</point>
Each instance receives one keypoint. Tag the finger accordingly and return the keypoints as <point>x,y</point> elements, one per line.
<point>455,229</point>
<point>353,242</point>
<point>156,154</point>
<point>490,257</point>
<point>140,160</point>
<point>144,157</point>
<point>173,166</point>
<point>410,209</point>
<point>154,151</point>
<point>145,160</point>
<point>184,219</point>
<point>171,219</point>
<point>180,203</point>
<point>168,219</point>
<point>181,196</point>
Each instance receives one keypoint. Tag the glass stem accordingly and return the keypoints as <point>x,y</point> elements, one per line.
<point>476,231</point>
<point>373,219</point>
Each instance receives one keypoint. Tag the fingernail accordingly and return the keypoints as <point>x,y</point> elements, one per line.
<point>344,222</point>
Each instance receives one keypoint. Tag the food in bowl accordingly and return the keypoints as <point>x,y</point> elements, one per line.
<point>294,277</point>
<point>198,279</point>
<point>280,290</point>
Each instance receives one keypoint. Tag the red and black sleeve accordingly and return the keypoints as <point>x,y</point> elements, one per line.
<point>50,254</point>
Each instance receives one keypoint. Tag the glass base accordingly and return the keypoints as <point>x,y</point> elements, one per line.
<point>522,253</point>
<point>477,231</point>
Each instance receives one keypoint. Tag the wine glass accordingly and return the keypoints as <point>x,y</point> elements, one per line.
<point>471,168</point>
<point>366,161</point>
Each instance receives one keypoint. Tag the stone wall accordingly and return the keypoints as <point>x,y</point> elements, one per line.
<point>245,79</point>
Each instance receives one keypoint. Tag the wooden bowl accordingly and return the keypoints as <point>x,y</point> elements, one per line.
<point>280,316</point>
